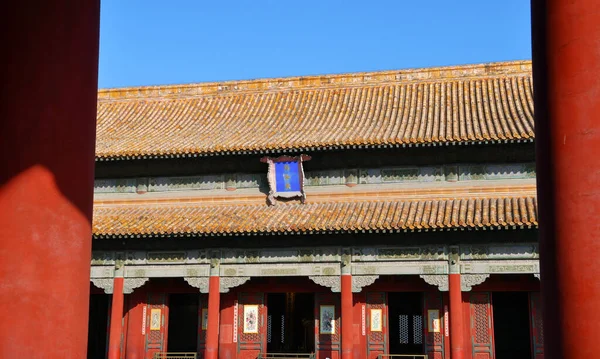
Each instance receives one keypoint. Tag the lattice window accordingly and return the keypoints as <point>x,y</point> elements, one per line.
<point>418,329</point>
<point>282,329</point>
<point>403,322</point>
<point>269,326</point>
<point>481,323</point>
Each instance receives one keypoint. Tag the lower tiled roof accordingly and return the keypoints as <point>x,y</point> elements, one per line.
<point>173,219</point>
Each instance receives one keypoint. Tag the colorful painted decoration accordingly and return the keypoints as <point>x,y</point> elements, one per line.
<point>376,320</point>
<point>286,177</point>
<point>155,319</point>
<point>251,319</point>
<point>327,319</point>
<point>433,321</point>
<point>204,318</point>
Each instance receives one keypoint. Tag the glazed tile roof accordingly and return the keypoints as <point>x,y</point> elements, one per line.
<point>446,105</point>
<point>176,219</point>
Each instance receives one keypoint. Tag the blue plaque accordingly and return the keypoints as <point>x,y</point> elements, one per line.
<point>286,177</point>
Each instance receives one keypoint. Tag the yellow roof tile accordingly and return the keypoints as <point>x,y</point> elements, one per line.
<point>475,103</point>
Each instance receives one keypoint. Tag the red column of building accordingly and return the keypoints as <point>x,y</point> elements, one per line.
<point>347,322</point>
<point>47,129</point>
<point>212,328</point>
<point>456,317</point>
<point>116,317</point>
<point>566,60</point>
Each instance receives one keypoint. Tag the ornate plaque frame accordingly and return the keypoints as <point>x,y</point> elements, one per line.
<point>272,176</point>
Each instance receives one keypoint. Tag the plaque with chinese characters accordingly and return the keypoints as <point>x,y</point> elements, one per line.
<point>286,177</point>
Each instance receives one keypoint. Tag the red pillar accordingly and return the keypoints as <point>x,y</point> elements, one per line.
<point>116,318</point>
<point>456,317</point>
<point>347,322</point>
<point>212,328</point>
<point>566,61</point>
<point>47,130</point>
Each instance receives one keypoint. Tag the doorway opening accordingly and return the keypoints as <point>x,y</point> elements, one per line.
<point>183,323</point>
<point>406,322</point>
<point>511,325</point>
<point>98,326</point>
<point>290,323</point>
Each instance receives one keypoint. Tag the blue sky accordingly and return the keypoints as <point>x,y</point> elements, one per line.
<point>154,42</point>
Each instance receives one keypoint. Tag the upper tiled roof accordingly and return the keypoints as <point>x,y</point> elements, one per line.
<point>177,219</point>
<point>460,104</point>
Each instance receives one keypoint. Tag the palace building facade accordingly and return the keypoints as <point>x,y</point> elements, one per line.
<point>354,216</point>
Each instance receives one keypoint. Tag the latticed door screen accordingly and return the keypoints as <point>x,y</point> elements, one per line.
<point>252,325</point>
<point>377,340</point>
<point>202,323</point>
<point>537,325</point>
<point>434,336</point>
<point>482,337</point>
<point>272,325</point>
<point>327,345</point>
<point>157,317</point>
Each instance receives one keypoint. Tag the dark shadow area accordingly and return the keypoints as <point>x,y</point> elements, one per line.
<point>183,323</point>
<point>511,325</point>
<point>371,238</point>
<point>290,323</point>
<point>98,326</point>
<point>405,323</point>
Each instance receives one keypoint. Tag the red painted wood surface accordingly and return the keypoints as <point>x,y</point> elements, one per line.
<point>134,339</point>
<point>360,328</point>
<point>250,345</point>
<point>156,339</point>
<point>328,345</point>
<point>377,341</point>
<point>457,337</point>
<point>536,325</point>
<point>212,327</point>
<point>566,67</point>
<point>482,333</point>
<point>434,341</point>
<point>347,320</point>
<point>47,131</point>
<point>116,319</point>
<point>228,330</point>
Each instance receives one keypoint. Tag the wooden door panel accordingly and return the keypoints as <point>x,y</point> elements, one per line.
<point>536,325</point>
<point>377,340</point>
<point>433,314</point>
<point>328,345</point>
<point>252,326</point>
<point>202,323</point>
<point>482,337</point>
<point>157,317</point>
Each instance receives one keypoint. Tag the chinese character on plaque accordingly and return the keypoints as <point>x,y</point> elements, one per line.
<point>286,177</point>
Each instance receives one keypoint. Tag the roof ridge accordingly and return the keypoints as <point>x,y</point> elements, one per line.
<point>354,79</point>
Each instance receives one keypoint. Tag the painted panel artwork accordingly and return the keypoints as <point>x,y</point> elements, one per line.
<point>155,319</point>
<point>327,319</point>
<point>376,320</point>
<point>433,321</point>
<point>204,318</point>
<point>286,177</point>
<point>251,319</point>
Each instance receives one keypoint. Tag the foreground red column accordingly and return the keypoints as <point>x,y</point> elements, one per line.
<point>212,328</point>
<point>116,317</point>
<point>347,320</point>
<point>566,60</point>
<point>456,317</point>
<point>47,128</point>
